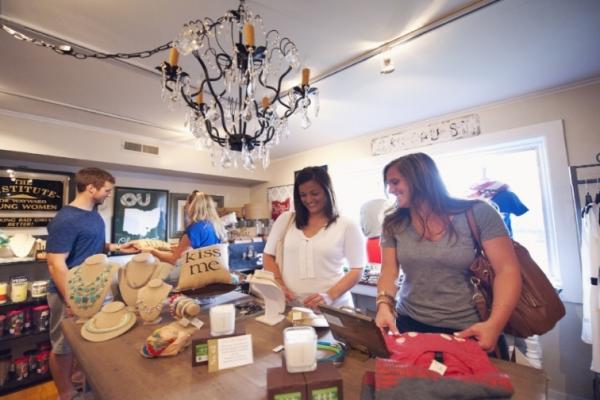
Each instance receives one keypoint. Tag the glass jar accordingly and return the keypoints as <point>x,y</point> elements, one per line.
<point>39,289</point>
<point>18,289</point>
<point>3,292</point>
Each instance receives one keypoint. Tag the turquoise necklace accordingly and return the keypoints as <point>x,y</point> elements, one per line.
<point>84,295</point>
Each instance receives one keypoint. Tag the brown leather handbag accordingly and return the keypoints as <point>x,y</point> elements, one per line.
<point>539,307</point>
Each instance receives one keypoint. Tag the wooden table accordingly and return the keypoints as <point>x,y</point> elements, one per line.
<point>116,370</point>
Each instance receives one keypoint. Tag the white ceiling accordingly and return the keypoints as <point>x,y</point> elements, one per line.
<point>506,49</point>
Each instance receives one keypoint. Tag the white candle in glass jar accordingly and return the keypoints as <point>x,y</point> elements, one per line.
<point>300,348</point>
<point>222,320</point>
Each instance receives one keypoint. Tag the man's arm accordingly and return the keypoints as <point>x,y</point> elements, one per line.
<point>126,248</point>
<point>57,266</point>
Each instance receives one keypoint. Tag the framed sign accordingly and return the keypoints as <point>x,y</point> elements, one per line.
<point>30,198</point>
<point>177,212</point>
<point>139,214</point>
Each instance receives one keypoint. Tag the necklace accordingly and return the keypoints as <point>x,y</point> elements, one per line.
<point>131,285</point>
<point>90,325</point>
<point>149,309</point>
<point>84,295</point>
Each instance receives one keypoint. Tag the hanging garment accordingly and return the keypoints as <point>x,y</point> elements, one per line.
<point>590,265</point>
<point>509,203</point>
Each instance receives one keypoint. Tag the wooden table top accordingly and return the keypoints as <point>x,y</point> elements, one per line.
<point>116,370</point>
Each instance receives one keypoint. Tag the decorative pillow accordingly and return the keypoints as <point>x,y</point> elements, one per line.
<point>147,244</point>
<point>278,207</point>
<point>204,266</point>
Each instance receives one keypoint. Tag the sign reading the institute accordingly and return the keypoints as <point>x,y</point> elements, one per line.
<point>23,194</point>
<point>33,196</point>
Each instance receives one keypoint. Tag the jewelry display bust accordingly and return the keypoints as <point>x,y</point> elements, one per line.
<point>88,285</point>
<point>113,320</point>
<point>151,299</point>
<point>136,274</point>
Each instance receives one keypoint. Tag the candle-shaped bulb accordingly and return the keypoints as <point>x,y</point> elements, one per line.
<point>199,98</point>
<point>173,57</point>
<point>249,35</point>
<point>305,76</point>
<point>265,102</point>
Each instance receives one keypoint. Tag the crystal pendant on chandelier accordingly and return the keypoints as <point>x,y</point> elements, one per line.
<point>240,102</point>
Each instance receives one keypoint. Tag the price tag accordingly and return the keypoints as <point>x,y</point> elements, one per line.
<point>438,367</point>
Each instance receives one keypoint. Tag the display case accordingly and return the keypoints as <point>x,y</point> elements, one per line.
<point>24,330</point>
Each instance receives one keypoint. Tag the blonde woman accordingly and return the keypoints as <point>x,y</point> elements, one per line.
<point>204,227</point>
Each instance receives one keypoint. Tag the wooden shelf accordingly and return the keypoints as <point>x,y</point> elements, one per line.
<point>29,334</point>
<point>29,302</point>
<point>33,379</point>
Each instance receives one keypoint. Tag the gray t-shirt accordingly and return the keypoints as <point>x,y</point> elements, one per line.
<point>436,288</point>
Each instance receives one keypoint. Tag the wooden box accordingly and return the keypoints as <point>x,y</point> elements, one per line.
<point>284,385</point>
<point>324,383</point>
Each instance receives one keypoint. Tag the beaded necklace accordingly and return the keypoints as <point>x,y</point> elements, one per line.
<point>131,285</point>
<point>84,295</point>
<point>90,325</point>
<point>149,309</point>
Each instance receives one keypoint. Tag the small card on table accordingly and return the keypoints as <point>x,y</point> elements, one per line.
<point>229,352</point>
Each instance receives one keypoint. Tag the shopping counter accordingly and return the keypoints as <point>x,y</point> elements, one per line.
<point>116,370</point>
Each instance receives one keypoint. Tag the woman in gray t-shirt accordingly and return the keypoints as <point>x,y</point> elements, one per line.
<point>427,236</point>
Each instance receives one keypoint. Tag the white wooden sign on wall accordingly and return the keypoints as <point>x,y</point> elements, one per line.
<point>456,128</point>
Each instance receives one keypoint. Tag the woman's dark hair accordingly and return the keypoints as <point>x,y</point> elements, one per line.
<point>320,176</point>
<point>426,188</point>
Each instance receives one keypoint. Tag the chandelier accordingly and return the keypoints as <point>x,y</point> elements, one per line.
<point>237,107</point>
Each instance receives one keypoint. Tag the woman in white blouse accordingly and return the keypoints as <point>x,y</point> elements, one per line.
<point>317,242</point>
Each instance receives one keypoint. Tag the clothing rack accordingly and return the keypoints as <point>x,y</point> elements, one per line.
<point>575,183</point>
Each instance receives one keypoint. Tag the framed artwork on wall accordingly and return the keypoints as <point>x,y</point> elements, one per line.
<point>139,214</point>
<point>177,212</point>
<point>281,198</point>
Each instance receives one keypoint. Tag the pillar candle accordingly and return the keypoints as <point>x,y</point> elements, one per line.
<point>173,57</point>
<point>265,102</point>
<point>249,35</point>
<point>305,76</point>
<point>222,320</point>
<point>300,349</point>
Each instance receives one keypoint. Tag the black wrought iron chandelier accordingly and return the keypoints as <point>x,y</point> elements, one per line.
<point>238,108</point>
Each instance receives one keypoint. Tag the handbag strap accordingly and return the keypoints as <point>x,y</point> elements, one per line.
<point>287,228</point>
<point>474,230</point>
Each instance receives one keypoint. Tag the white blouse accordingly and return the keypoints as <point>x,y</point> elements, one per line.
<point>313,265</point>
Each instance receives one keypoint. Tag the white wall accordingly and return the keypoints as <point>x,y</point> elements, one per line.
<point>577,107</point>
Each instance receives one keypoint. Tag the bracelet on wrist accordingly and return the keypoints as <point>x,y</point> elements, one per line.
<point>390,305</point>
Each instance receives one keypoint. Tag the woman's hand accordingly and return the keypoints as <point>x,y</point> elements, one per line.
<point>385,318</point>
<point>316,299</point>
<point>485,333</point>
<point>289,295</point>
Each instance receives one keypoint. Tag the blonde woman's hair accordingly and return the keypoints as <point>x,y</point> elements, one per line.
<point>202,207</point>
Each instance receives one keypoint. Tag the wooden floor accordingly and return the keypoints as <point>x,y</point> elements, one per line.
<point>43,391</point>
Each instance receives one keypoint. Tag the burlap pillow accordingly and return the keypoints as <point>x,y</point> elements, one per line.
<point>203,266</point>
<point>147,244</point>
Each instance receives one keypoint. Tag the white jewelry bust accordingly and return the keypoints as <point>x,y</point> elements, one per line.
<point>88,284</point>
<point>137,273</point>
<point>151,299</point>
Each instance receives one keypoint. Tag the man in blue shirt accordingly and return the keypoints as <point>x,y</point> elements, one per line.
<point>75,233</point>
